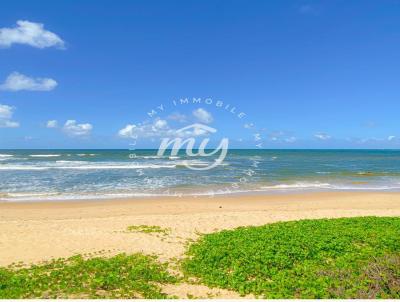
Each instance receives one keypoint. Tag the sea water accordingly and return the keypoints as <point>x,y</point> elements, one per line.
<point>93,174</point>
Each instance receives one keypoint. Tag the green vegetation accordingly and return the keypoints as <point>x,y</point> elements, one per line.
<point>122,276</point>
<point>325,258</point>
<point>148,229</point>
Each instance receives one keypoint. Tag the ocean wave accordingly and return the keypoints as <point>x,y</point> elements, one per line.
<point>45,155</point>
<point>298,185</point>
<point>6,155</point>
<point>28,194</point>
<point>156,157</point>
<point>76,162</point>
<point>366,188</point>
<point>13,158</point>
<point>334,187</point>
<point>21,168</point>
<point>78,166</point>
<point>54,196</point>
<point>197,163</point>
<point>115,167</point>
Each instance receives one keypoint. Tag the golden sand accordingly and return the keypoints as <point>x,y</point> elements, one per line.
<point>32,232</point>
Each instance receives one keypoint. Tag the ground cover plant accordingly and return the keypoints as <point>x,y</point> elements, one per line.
<point>148,229</point>
<point>121,276</point>
<point>324,258</point>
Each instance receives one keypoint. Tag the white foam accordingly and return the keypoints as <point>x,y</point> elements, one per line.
<point>298,185</point>
<point>83,166</point>
<point>6,155</point>
<point>115,167</point>
<point>22,168</point>
<point>71,162</point>
<point>45,155</point>
<point>55,196</point>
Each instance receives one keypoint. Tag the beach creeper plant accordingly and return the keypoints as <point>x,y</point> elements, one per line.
<point>148,229</point>
<point>325,258</point>
<point>121,276</point>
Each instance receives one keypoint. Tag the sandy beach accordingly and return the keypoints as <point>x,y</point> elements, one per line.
<point>38,231</point>
<point>32,232</point>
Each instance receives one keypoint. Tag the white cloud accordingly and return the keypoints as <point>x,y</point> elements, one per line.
<point>8,124</point>
<point>160,125</point>
<point>322,136</point>
<point>177,117</point>
<point>29,33</point>
<point>127,132</point>
<point>158,128</point>
<point>203,116</point>
<point>73,129</point>
<point>291,139</point>
<point>6,114</point>
<point>17,81</point>
<point>277,135</point>
<point>52,124</point>
<point>392,137</point>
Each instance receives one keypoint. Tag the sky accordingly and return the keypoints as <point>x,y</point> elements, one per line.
<point>304,74</point>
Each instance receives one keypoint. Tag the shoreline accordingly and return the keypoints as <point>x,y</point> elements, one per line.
<point>34,232</point>
<point>131,198</point>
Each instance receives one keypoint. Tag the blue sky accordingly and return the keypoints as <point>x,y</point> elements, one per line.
<point>307,74</point>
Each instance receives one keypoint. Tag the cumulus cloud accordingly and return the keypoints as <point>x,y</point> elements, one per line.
<point>52,124</point>
<point>72,128</point>
<point>127,132</point>
<point>29,33</point>
<point>6,111</point>
<point>159,128</point>
<point>322,136</point>
<point>391,138</point>
<point>6,114</point>
<point>17,81</point>
<point>203,116</point>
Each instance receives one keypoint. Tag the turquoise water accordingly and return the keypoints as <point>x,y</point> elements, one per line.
<point>75,174</point>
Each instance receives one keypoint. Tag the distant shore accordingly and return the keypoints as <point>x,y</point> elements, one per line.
<point>33,232</point>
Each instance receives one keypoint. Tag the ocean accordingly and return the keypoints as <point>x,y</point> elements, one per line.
<point>29,175</point>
